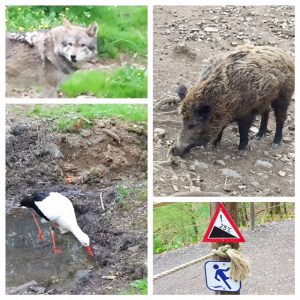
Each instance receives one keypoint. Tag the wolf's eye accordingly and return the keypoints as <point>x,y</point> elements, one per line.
<point>82,45</point>
<point>70,44</point>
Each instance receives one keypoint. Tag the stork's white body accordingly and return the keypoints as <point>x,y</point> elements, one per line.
<point>59,209</point>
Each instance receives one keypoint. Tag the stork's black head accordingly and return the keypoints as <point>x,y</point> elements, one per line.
<point>29,200</point>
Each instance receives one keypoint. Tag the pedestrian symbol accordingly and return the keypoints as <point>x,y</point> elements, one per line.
<point>217,275</point>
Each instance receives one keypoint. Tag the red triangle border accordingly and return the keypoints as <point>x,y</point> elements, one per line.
<point>207,239</point>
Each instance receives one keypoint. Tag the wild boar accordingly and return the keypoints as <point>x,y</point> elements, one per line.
<point>244,83</point>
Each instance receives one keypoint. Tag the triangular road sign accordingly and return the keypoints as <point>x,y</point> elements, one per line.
<point>222,228</point>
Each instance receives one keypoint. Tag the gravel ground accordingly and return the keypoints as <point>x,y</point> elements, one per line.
<point>272,264</point>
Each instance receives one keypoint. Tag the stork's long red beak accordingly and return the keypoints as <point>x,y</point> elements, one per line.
<point>89,250</point>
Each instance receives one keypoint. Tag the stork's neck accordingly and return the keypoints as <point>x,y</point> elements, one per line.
<point>79,234</point>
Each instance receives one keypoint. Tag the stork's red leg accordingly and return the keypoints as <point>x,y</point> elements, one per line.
<point>55,250</point>
<point>38,226</point>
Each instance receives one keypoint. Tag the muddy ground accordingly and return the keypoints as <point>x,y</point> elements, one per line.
<point>83,165</point>
<point>103,65</point>
<point>184,37</point>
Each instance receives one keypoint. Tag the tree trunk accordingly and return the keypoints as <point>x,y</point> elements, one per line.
<point>252,215</point>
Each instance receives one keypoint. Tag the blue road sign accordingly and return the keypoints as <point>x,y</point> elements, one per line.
<point>217,275</point>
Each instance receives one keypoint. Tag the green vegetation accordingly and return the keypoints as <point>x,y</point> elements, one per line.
<point>122,29</point>
<point>125,82</point>
<point>137,287</point>
<point>67,117</point>
<point>180,224</point>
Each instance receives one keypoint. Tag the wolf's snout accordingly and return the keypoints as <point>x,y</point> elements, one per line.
<point>73,58</point>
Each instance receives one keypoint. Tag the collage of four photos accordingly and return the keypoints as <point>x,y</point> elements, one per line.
<point>151,173</point>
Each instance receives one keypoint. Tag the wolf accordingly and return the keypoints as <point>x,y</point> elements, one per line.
<point>47,58</point>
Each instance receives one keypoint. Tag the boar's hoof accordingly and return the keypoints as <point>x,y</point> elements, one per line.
<point>241,152</point>
<point>258,137</point>
<point>275,145</point>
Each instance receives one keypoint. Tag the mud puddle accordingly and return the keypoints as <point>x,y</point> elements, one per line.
<point>28,259</point>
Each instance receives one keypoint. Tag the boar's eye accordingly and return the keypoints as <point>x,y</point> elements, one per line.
<point>203,112</point>
<point>191,126</point>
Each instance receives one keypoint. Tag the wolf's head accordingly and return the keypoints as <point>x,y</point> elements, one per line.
<point>75,43</point>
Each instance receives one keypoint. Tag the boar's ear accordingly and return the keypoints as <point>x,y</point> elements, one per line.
<point>203,112</point>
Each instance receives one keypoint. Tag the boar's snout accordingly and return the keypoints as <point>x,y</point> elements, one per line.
<point>179,150</point>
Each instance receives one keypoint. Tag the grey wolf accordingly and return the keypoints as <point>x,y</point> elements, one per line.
<point>47,58</point>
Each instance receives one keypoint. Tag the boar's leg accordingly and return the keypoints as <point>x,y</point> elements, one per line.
<point>280,106</point>
<point>244,126</point>
<point>263,125</point>
<point>217,141</point>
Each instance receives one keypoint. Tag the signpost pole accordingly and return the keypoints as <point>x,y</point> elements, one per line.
<point>232,208</point>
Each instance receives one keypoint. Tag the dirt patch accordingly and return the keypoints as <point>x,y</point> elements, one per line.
<point>186,36</point>
<point>107,65</point>
<point>82,166</point>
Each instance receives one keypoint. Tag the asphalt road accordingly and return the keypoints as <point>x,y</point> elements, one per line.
<point>270,249</point>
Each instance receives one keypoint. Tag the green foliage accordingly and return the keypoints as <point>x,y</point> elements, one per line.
<point>137,287</point>
<point>66,117</point>
<point>173,225</point>
<point>122,29</point>
<point>125,82</point>
<point>122,192</point>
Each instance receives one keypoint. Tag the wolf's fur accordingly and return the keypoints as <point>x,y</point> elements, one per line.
<point>47,57</point>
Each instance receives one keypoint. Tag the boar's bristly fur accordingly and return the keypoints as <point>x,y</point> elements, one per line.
<point>240,85</point>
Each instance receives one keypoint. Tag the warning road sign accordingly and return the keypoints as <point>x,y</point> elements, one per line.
<point>222,228</point>
<point>217,275</point>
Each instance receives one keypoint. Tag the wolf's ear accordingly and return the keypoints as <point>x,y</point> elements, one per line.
<point>93,29</point>
<point>67,23</point>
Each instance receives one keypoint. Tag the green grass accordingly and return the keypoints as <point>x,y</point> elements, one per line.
<point>173,226</point>
<point>66,117</point>
<point>122,29</point>
<point>137,287</point>
<point>125,82</point>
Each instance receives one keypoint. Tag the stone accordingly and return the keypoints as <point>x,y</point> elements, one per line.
<point>264,164</point>
<point>210,29</point>
<point>231,173</point>
<point>200,165</point>
<point>220,162</point>
<point>281,173</point>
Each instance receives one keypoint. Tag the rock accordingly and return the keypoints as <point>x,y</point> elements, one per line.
<point>287,139</point>
<point>210,29</point>
<point>254,183</point>
<point>226,156</point>
<point>112,277</point>
<point>234,44</point>
<point>291,155</point>
<point>220,162</point>
<point>264,164</point>
<point>254,129</point>
<point>175,188</point>
<point>231,173</point>
<point>192,167</point>
<point>37,289</point>
<point>281,173</point>
<point>159,132</point>
<point>200,165</point>
<point>266,153</point>
<point>229,188</point>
